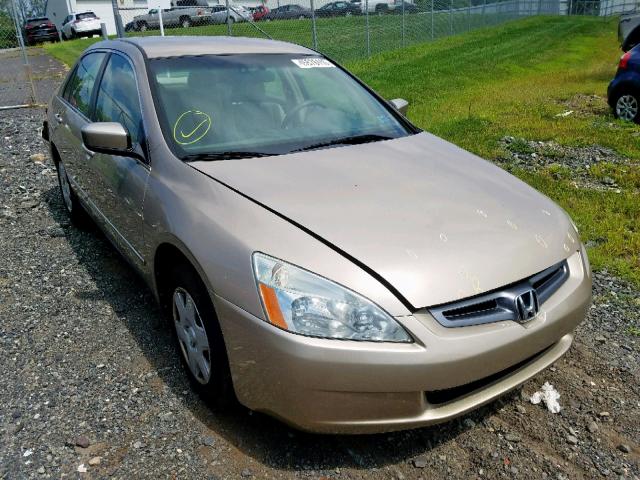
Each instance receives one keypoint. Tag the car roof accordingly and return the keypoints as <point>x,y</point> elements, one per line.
<point>158,47</point>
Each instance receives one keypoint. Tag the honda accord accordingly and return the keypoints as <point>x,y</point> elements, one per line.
<point>319,257</point>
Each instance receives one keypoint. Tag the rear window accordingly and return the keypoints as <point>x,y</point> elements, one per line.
<point>86,16</point>
<point>32,21</point>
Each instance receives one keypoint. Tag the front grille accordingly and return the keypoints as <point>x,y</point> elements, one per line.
<point>439,397</point>
<point>518,302</point>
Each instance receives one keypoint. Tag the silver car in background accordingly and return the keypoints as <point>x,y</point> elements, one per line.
<point>318,256</point>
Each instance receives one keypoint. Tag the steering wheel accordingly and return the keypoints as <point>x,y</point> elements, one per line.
<point>288,118</point>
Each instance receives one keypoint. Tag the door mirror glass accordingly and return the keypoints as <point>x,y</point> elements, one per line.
<point>106,137</point>
<point>400,104</point>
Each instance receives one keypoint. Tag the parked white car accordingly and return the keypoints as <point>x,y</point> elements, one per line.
<point>80,24</point>
<point>237,13</point>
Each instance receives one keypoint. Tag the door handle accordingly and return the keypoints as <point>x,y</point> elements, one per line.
<point>58,117</point>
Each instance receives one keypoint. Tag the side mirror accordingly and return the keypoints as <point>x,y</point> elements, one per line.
<point>400,104</point>
<point>107,137</point>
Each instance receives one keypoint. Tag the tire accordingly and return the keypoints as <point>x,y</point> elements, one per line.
<point>192,332</point>
<point>627,106</point>
<point>302,17</point>
<point>64,37</point>
<point>75,210</point>
<point>185,22</point>
<point>142,26</point>
<point>381,9</point>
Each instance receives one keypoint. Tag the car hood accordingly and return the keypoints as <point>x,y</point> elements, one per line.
<point>435,221</point>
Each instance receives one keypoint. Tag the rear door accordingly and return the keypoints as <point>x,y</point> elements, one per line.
<point>74,113</point>
<point>118,183</point>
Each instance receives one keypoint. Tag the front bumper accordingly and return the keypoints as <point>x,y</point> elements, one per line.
<point>335,386</point>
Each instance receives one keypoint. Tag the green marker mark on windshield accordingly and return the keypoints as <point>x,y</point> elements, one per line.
<point>191,126</point>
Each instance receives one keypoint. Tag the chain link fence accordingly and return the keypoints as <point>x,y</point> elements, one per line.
<point>347,30</point>
<point>343,30</point>
<point>16,80</point>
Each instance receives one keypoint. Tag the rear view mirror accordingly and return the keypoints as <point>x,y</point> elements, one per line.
<point>400,104</point>
<point>107,137</point>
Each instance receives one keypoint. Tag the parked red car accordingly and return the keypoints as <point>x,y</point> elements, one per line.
<point>258,12</point>
<point>39,29</point>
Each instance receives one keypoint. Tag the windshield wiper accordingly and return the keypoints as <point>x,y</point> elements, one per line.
<point>351,140</point>
<point>232,155</point>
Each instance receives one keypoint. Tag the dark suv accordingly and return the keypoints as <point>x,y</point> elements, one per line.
<point>39,29</point>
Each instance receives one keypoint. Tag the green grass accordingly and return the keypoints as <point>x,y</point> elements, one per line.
<point>475,88</point>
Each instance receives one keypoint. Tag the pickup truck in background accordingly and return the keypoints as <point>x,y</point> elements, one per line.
<point>183,13</point>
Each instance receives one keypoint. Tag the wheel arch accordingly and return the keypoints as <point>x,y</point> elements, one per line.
<point>55,154</point>
<point>168,253</point>
<point>627,85</point>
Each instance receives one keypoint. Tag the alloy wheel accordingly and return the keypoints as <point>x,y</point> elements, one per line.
<point>627,107</point>
<point>65,187</point>
<point>192,335</point>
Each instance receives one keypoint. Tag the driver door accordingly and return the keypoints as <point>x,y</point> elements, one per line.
<point>118,183</point>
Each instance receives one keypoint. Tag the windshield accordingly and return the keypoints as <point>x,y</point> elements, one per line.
<point>266,104</point>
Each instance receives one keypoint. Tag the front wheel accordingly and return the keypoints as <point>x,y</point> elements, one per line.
<point>76,212</point>
<point>627,107</point>
<point>185,22</point>
<point>199,336</point>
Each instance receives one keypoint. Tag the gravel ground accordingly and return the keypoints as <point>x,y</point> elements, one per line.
<point>585,166</point>
<point>90,380</point>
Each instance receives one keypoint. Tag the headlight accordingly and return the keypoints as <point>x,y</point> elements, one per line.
<point>302,302</point>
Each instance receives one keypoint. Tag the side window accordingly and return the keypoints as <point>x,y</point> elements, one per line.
<point>117,99</point>
<point>78,90</point>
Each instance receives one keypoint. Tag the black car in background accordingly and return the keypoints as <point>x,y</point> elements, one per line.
<point>287,12</point>
<point>40,29</point>
<point>629,30</point>
<point>338,9</point>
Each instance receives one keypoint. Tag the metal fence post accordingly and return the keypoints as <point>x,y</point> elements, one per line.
<point>368,35</point>
<point>468,15</point>
<point>27,67</point>
<point>160,22</point>
<point>314,31</point>
<point>450,17</point>
<point>117,19</point>
<point>432,23</point>
<point>228,19</point>
<point>403,22</point>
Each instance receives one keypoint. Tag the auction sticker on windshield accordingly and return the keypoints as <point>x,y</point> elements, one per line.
<point>313,62</point>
